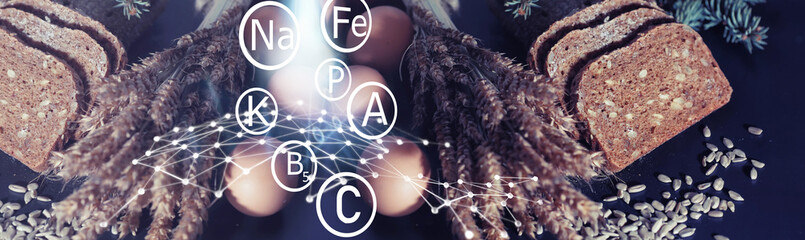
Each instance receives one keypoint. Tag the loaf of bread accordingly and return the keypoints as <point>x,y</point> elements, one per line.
<point>633,78</point>
<point>54,61</point>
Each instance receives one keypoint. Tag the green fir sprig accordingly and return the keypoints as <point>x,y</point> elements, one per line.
<point>740,26</point>
<point>133,8</point>
<point>520,8</point>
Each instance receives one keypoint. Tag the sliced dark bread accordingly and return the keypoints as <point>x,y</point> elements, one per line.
<point>590,16</point>
<point>639,96</point>
<point>67,18</point>
<point>40,99</point>
<point>76,47</point>
<point>577,47</point>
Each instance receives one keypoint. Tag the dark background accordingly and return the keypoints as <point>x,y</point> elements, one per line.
<point>768,91</point>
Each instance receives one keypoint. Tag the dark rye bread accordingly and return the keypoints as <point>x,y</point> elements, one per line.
<point>590,16</point>
<point>39,100</point>
<point>86,57</point>
<point>591,54</point>
<point>578,46</point>
<point>67,18</point>
<point>639,96</point>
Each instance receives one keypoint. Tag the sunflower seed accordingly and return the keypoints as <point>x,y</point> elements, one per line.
<point>655,228</point>
<point>715,202</point>
<point>43,199</point>
<point>696,207</point>
<point>727,142</point>
<point>632,217</point>
<point>621,222</point>
<point>637,188</point>
<point>657,205</point>
<point>627,197</point>
<point>664,178</point>
<point>739,159</point>
<point>619,213</point>
<point>610,199</point>
<point>666,195</point>
<point>695,215</point>
<point>753,174</point>
<point>725,161</point>
<point>698,198</point>
<point>621,186</point>
<point>677,184</point>
<point>670,204</point>
<point>16,188</point>
<point>735,196</point>
<point>711,146</point>
<point>739,152</point>
<point>706,205</point>
<point>731,206</point>
<point>27,197</point>
<point>706,131</point>
<point>629,228</point>
<point>607,213</point>
<point>679,228</point>
<point>32,186</point>
<point>718,184</point>
<point>711,157</point>
<point>704,186</point>
<point>687,232</point>
<point>711,170</point>
<point>720,237</point>
<point>754,130</point>
<point>640,206</point>
<point>723,205</point>
<point>715,214</point>
<point>24,228</point>
<point>13,206</point>
<point>758,164</point>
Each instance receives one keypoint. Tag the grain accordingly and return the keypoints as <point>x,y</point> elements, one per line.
<point>725,161</point>
<point>695,215</point>
<point>739,152</point>
<point>731,206</point>
<point>664,178</point>
<point>666,195</point>
<point>720,237</point>
<point>754,130</point>
<point>43,199</point>
<point>711,169</point>
<point>704,186</point>
<point>735,196</point>
<point>711,146</point>
<point>687,232</point>
<point>16,188</point>
<point>706,131</point>
<point>677,184</point>
<point>657,205</point>
<point>688,180</point>
<point>610,199</point>
<point>718,184</point>
<point>698,198</point>
<point>739,159</point>
<point>32,186</point>
<point>727,142</point>
<point>753,174</point>
<point>715,214</point>
<point>757,164</point>
<point>627,197</point>
<point>621,186</point>
<point>637,188</point>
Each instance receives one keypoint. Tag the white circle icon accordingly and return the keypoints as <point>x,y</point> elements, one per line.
<point>327,35</point>
<point>344,75</point>
<point>254,115</point>
<point>351,117</point>
<point>261,33</point>
<point>284,149</point>
<point>341,180</point>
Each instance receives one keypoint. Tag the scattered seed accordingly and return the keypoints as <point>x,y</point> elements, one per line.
<point>716,201</point>
<point>711,146</point>
<point>677,184</point>
<point>739,152</point>
<point>725,161</point>
<point>679,228</point>
<point>664,178</point>
<point>720,237</point>
<point>711,170</point>
<point>27,198</point>
<point>688,180</point>
<point>754,130</point>
<point>687,232</point>
<point>32,186</point>
<point>723,205</point>
<point>758,164</point>
<point>727,142</point>
<point>753,174</point>
<point>637,188</point>
<point>16,188</point>
<point>657,205</point>
<point>715,214</point>
<point>627,197</point>
<point>698,198</point>
<point>731,206</point>
<point>13,206</point>
<point>739,159</point>
<point>43,199</point>
<point>704,186</point>
<point>718,184</point>
<point>666,195</point>
<point>655,228</point>
<point>706,131</point>
<point>735,196</point>
<point>610,199</point>
<point>695,215</point>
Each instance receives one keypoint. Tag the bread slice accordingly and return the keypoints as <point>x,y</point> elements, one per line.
<point>578,47</point>
<point>40,99</point>
<point>67,18</point>
<point>76,47</point>
<point>637,97</point>
<point>590,16</point>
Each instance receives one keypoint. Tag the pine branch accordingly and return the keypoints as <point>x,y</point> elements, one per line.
<point>740,26</point>
<point>133,7</point>
<point>522,8</point>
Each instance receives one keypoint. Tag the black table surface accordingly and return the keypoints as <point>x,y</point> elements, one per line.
<point>767,86</point>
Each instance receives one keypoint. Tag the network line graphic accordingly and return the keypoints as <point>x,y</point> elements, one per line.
<point>337,149</point>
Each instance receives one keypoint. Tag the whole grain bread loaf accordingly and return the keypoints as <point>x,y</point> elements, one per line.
<point>633,79</point>
<point>57,59</point>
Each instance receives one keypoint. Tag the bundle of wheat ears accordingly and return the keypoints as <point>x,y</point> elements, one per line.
<point>499,118</point>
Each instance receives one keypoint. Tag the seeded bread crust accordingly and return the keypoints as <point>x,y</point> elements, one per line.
<point>76,47</point>
<point>639,96</point>
<point>591,15</point>
<point>579,46</point>
<point>66,17</point>
<point>40,99</point>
